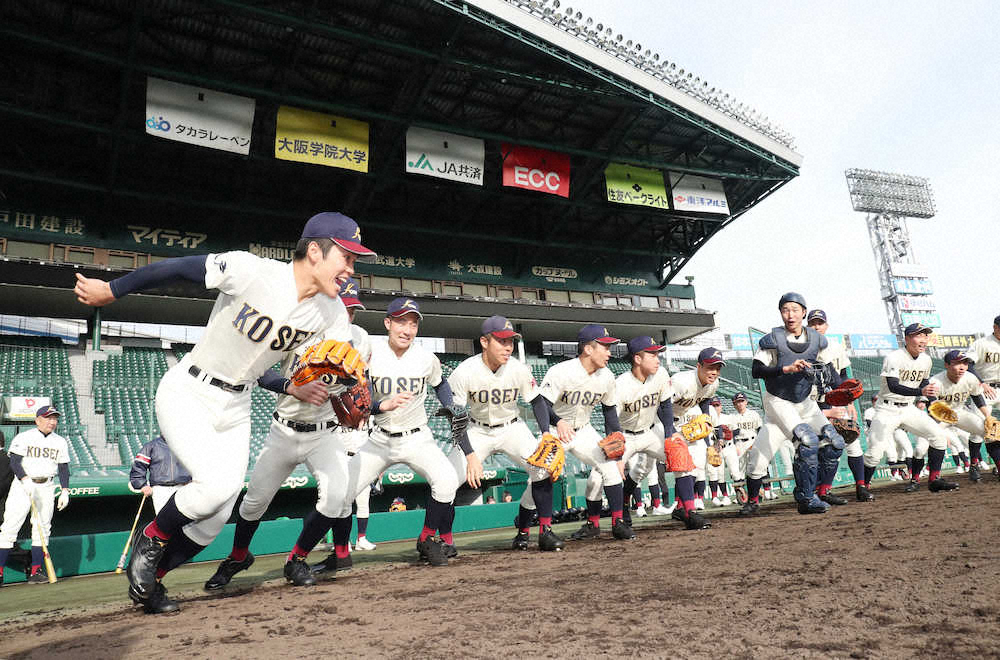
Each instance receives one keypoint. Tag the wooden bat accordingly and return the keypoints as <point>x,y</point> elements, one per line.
<point>128,542</point>
<point>49,568</point>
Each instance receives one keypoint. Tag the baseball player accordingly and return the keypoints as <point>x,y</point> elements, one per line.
<point>265,309</point>
<point>785,361</point>
<point>645,411</point>
<point>36,457</point>
<point>570,391</point>
<point>156,472</point>
<point>716,474</point>
<point>490,384</point>
<point>401,372</point>
<point>745,424</point>
<point>985,354</point>
<point>300,432</point>
<point>905,376</point>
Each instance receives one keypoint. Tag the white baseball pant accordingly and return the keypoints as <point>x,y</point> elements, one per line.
<point>18,508</point>
<point>888,418</point>
<point>642,450</point>
<point>353,440</point>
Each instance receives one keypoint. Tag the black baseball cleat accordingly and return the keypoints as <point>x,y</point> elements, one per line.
<point>142,565</point>
<point>622,530</point>
<point>587,531</point>
<point>520,541</point>
<point>627,516</point>
<point>450,551</point>
<point>974,475</point>
<point>38,577</point>
<point>939,485</point>
<point>912,487</point>
<point>813,505</point>
<point>548,541</point>
<point>679,513</point>
<point>835,500</point>
<point>751,508</point>
<point>297,572</point>
<point>328,567</point>
<point>433,551</point>
<point>862,494</point>
<point>696,521</point>
<point>158,603</point>
<point>227,569</point>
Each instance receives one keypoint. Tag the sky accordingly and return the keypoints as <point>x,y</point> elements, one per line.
<point>910,87</point>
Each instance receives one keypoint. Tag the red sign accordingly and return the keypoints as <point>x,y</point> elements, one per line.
<point>535,169</point>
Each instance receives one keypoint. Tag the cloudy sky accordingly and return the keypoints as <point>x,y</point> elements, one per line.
<point>906,87</point>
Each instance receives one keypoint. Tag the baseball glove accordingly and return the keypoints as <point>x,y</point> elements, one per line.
<point>724,434</point>
<point>330,357</point>
<point>847,428</point>
<point>678,456</point>
<point>713,457</point>
<point>845,393</point>
<point>459,417</point>
<point>697,428</point>
<point>992,426</point>
<point>942,412</point>
<point>549,455</point>
<point>353,406</point>
<point>613,445</point>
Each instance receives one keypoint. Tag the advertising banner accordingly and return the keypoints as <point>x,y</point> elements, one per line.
<point>697,193</point>
<point>900,269</point>
<point>200,116</point>
<point>535,169</point>
<point>445,155</point>
<point>861,342</point>
<point>740,342</point>
<point>638,186</point>
<point>321,139</point>
<point>23,408</point>
<point>952,341</point>
<point>912,285</point>
<point>929,319</point>
<point>916,303</point>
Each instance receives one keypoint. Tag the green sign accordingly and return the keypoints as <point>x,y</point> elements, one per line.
<point>638,186</point>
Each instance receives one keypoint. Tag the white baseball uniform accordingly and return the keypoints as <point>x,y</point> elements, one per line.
<point>573,394</point>
<point>352,439</point>
<point>689,393</point>
<point>956,395</point>
<point>401,435</point>
<point>736,453</point>
<point>203,402</point>
<point>41,456</point>
<point>893,411</point>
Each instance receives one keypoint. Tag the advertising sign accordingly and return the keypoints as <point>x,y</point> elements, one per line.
<point>200,116</point>
<point>900,269</point>
<point>929,319</point>
<point>638,186</point>
<point>910,285</point>
<point>697,193</point>
<point>23,408</point>
<point>860,342</point>
<point>321,139</point>
<point>916,303</point>
<point>445,155</point>
<point>535,169</point>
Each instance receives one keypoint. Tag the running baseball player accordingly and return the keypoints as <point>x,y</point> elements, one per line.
<point>265,309</point>
<point>401,373</point>
<point>156,473</point>
<point>490,384</point>
<point>570,391</point>
<point>645,411</point>
<point>905,376</point>
<point>985,354</point>
<point>37,456</point>
<point>300,433</point>
<point>745,424</point>
<point>786,361</point>
<point>725,443</point>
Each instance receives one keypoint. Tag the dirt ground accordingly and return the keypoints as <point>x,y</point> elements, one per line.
<point>908,575</point>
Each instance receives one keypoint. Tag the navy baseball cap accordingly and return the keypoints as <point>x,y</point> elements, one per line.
<point>715,401</point>
<point>710,355</point>
<point>996,320</point>
<point>499,327</point>
<point>956,356</point>
<point>739,396</point>
<point>47,411</point>
<point>640,344</point>
<point>594,332</point>
<point>403,306</point>
<point>340,229</point>
<point>816,314</point>
<point>350,294</point>
<point>917,329</point>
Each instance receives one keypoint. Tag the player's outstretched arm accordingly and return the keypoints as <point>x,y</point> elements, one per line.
<point>97,293</point>
<point>611,423</point>
<point>665,412</point>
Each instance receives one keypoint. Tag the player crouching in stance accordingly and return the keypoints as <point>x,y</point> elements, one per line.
<point>905,376</point>
<point>401,373</point>
<point>785,361</point>
<point>490,385</point>
<point>570,391</point>
<point>265,309</point>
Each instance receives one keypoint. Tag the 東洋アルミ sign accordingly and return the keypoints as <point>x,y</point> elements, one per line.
<point>535,169</point>
<point>697,193</point>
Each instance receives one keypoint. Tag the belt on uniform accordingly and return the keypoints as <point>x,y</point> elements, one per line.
<point>169,483</point>
<point>41,480</point>
<point>494,426</point>
<point>302,427</point>
<point>639,432</point>
<point>215,382</point>
<point>351,453</point>
<point>400,434</point>
<point>898,404</point>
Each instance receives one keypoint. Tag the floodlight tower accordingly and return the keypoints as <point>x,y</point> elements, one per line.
<point>889,200</point>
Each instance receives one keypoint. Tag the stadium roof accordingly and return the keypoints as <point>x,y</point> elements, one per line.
<point>72,113</point>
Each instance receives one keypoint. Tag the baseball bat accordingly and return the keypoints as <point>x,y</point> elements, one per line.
<point>49,568</point>
<point>128,542</point>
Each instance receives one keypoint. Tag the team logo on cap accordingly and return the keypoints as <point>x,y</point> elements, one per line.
<point>508,326</point>
<point>350,290</point>
<point>408,304</point>
<point>717,355</point>
<point>357,234</point>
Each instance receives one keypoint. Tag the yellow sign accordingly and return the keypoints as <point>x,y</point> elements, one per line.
<point>321,139</point>
<point>640,186</point>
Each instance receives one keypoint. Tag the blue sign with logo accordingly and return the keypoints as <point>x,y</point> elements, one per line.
<point>740,342</point>
<point>874,342</point>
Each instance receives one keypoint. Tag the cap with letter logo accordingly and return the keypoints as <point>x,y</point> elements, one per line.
<point>47,411</point>
<point>715,401</point>
<point>954,356</point>
<point>739,396</point>
<point>403,306</point>
<point>350,294</point>
<point>816,314</point>
<point>594,332</point>
<point>499,327</point>
<point>917,329</point>
<point>640,344</point>
<point>710,355</point>
<point>340,229</point>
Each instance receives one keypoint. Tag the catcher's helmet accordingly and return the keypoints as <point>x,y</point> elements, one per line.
<point>791,296</point>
